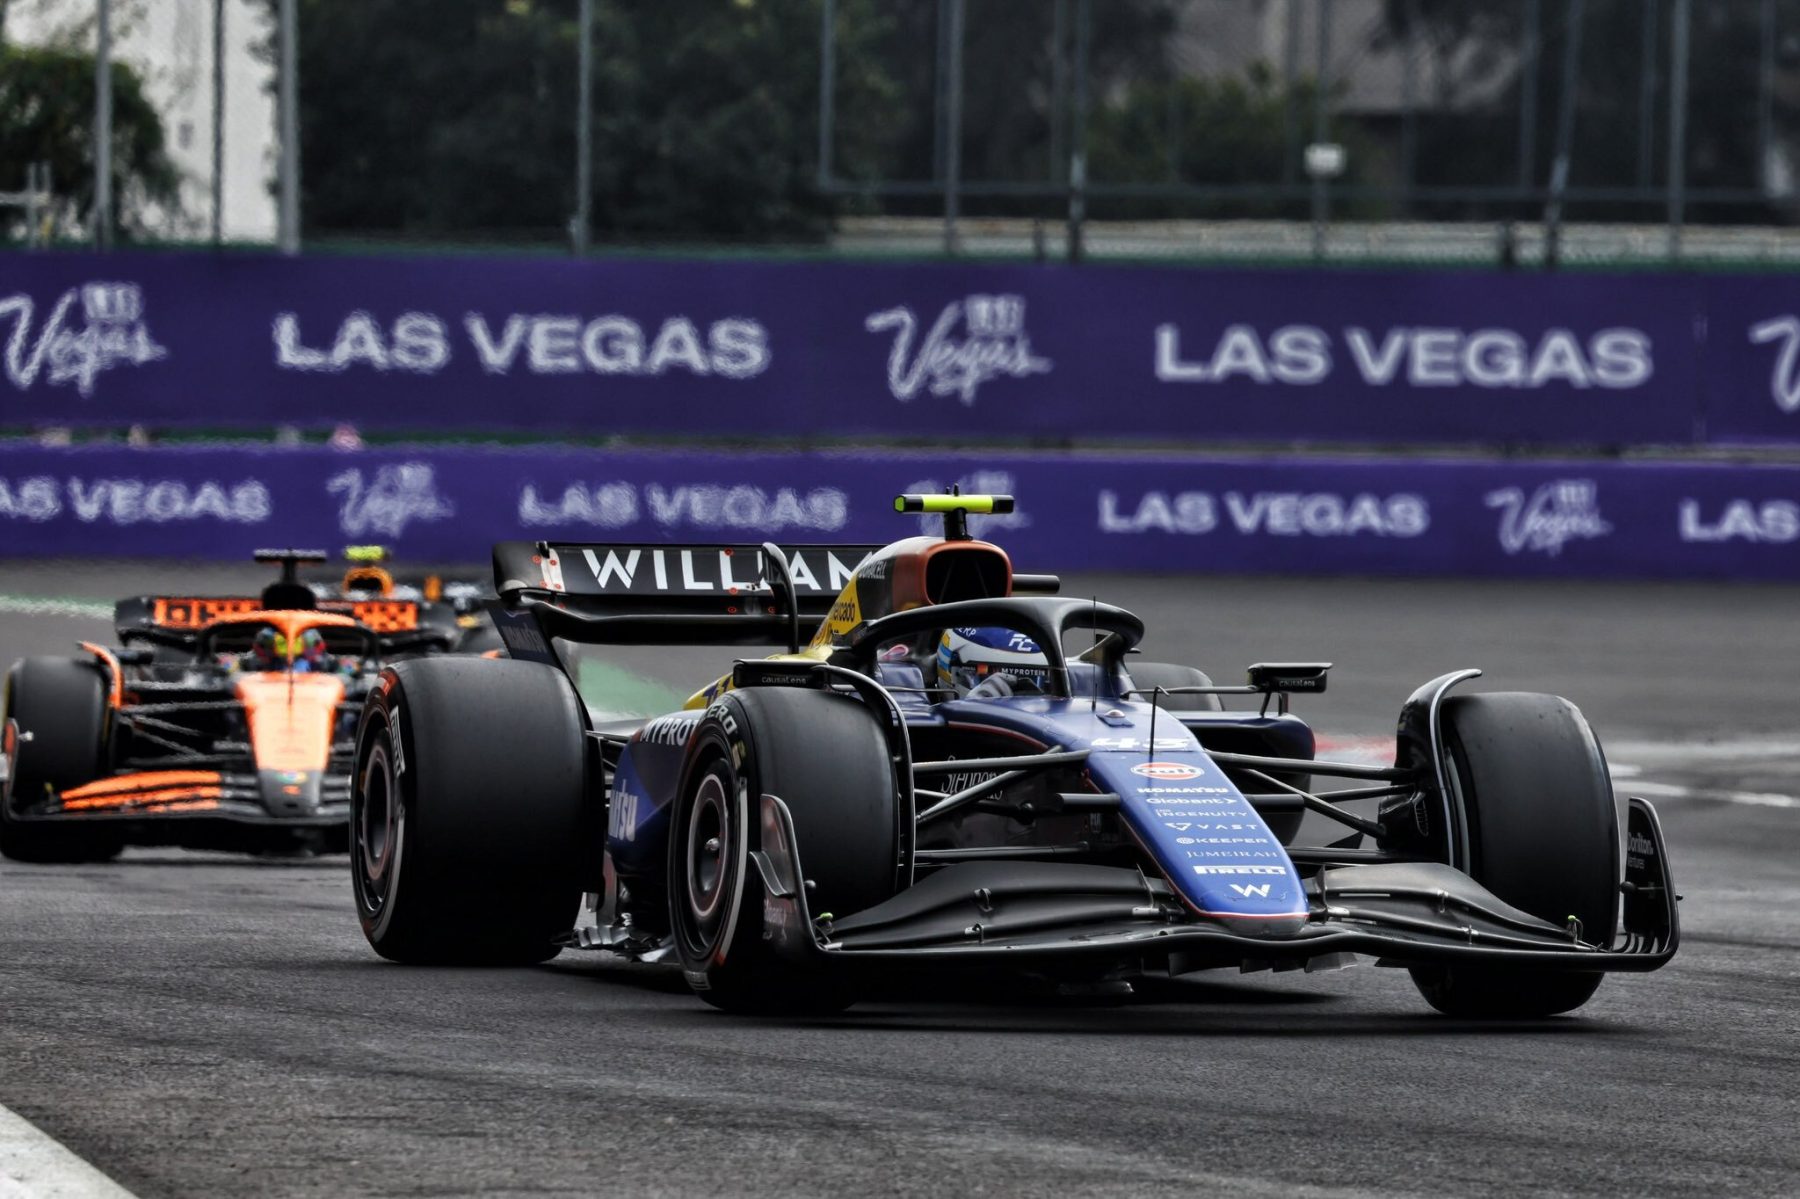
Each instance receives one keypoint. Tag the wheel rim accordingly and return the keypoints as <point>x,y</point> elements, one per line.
<point>376,827</point>
<point>708,853</point>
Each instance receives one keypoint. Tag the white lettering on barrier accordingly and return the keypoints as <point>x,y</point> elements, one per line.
<point>709,506</point>
<point>540,344</point>
<point>1784,376</point>
<point>1301,355</point>
<point>1771,521</point>
<point>397,495</point>
<point>133,501</point>
<point>995,346</point>
<point>1267,513</point>
<point>1557,513</point>
<point>114,334</point>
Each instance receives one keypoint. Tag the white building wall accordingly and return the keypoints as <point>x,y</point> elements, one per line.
<point>170,44</point>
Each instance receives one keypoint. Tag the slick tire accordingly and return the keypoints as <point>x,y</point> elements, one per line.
<point>60,708</point>
<point>1168,674</point>
<point>468,812</point>
<point>825,757</point>
<point>1543,836</point>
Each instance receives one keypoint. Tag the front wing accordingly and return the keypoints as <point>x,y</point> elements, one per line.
<point>1038,916</point>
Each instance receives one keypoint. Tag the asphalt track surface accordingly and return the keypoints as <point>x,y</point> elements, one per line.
<point>200,1024</point>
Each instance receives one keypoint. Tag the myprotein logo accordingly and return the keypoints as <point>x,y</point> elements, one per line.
<point>109,333</point>
<point>974,340</point>
<point>1549,518</point>
<point>1784,372</point>
<point>386,503</point>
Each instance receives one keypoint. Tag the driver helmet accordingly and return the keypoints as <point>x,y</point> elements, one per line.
<point>310,653</point>
<point>268,651</point>
<point>967,658</point>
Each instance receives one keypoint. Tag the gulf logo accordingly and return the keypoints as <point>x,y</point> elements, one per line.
<point>1171,771</point>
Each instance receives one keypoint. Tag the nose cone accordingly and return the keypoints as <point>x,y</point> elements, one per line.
<point>290,792</point>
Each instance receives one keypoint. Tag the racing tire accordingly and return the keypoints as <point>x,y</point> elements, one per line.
<point>1168,674</point>
<point>60,708</point>
<point>1285,825</point>
<point>1543,836</point>
<point>469,811</point>
<point>825,756</point>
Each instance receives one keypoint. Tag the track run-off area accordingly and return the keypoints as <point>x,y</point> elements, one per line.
<point>195,1024</point>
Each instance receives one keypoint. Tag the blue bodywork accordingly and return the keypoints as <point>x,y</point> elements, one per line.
<point>1217,852</point>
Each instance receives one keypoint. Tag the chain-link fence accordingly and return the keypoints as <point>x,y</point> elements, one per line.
<point>1498,130</point>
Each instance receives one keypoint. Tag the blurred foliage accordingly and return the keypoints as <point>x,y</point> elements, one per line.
<point>1215,131</point>
<point>1475,53</point>
<point>47,115</point>
<point>459,115</point>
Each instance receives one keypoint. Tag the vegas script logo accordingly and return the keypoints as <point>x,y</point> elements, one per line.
<point>109,333</point>
<point>973,340</point>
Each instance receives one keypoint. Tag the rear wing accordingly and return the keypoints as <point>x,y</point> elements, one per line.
<point>640,594</point>
<point>178,620</point>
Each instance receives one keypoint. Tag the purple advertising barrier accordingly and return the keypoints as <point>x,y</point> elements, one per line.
<point>972,352</point>
<point>1751,359</point>
<point>1213,514</point>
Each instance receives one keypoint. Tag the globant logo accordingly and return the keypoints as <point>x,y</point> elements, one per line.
<point>1555,514</point>
<point>993,345</point>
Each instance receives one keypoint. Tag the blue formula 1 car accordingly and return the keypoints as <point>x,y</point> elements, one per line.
<point>952,770</point>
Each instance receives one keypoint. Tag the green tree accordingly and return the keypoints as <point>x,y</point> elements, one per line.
<point>1217,131</point>
<point>1472,136</point>
<point>458,117</point>
<point>47,114</point>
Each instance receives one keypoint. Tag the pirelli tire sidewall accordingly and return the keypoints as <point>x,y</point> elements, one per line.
<point>60,725</point>
<point>826,757</point>
<point>718,780</point>
<point>469,811</point>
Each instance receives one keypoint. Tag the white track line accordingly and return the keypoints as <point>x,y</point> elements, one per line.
<point>33,1166</point>
<point>26,605</point>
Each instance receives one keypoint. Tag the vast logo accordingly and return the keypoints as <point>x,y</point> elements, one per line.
<point>993,345</point>
<point>1555,514</point>
<point>1173,771</point>
<point>1784,377</point>
<point>396,496</point>
<point>113,334</point>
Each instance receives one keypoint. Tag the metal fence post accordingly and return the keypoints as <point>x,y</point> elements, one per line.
<point>289,99</point>
<point>1078,135</point>
<point>1765,91</point>
<point>1565,134</point>
<point>218,123</point>
<point>827,88</point>
<point>1528,90</point>
<point>103,189</point>
<point>953,122</point>
<point>1409,107</point>
<point>1321,194</point>
<point>1647,98</point>
<point>581,224</point>
<point>1290,77</point>
<point>1678,88</point>
<point>1059,87</point>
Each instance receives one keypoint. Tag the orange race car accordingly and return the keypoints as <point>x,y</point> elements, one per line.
<point>221,722</point>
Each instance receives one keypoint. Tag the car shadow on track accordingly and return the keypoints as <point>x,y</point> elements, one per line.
<point>1167,1008</point>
